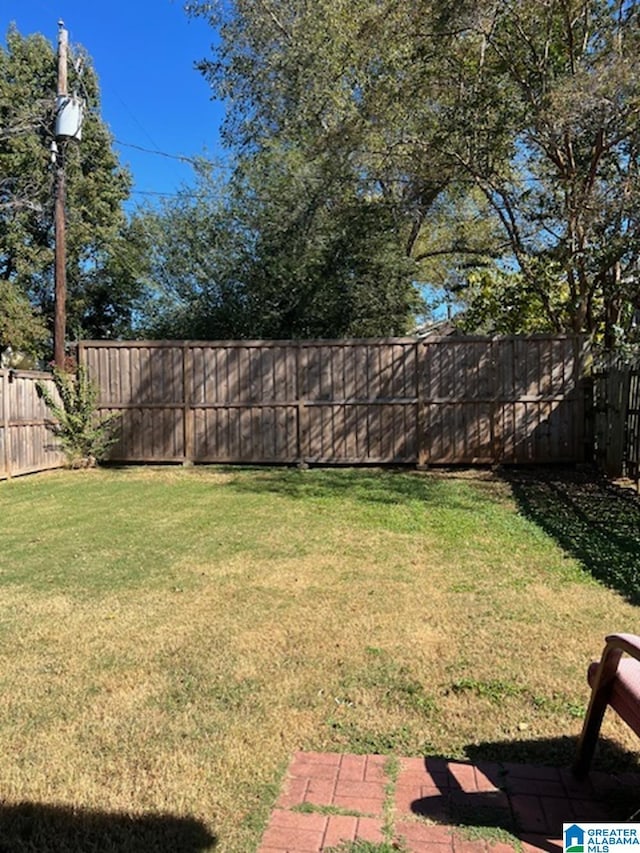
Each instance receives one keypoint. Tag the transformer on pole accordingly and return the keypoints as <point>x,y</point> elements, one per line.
<point>69,115</point>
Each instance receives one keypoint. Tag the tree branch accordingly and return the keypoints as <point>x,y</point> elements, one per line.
<point>460,250</point>
<point>285,32</point>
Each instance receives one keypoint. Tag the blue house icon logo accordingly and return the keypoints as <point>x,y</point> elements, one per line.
<point>574,839</point>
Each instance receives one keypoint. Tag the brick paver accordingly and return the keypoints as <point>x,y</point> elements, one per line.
<point>328,799</point>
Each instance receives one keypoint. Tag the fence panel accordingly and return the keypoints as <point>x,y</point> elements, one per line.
<point>632,459</point>
<point>437,401</point>
<point>457,400</point>
<point>144,382</point>
<point>27,443</point>
<point>509,400</point>
<point>358,401</point>
<point>242,398</point>
<point>616,407</point>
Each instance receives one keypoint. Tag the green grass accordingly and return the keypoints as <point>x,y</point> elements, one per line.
<point>169,637</point>
<point>311,808</point>
<point>490,834</point>
<point>368,847</point>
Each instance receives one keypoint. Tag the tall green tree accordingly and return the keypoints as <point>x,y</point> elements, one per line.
<point>20,327</point>
<point>96,188</point>
<point>373,95</point>
<point>273,255</point>
<point>568,196</point>
<point>191,290</point>
<point>338,104</point>
<point>358,83</point>
<point>532,102</point>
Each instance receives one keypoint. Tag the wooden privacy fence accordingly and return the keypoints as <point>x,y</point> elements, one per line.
<point>616,405</point>
<point>433,401</point>
<point>27,443</point>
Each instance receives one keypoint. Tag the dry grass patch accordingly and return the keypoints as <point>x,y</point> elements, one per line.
<point>170,637</point>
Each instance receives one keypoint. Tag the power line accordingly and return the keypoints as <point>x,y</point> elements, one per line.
<point>194,161</point>
<point>182,157</point>
<point>155,192</point>
<point>157,151</point>
<point>125,105</point>
<point>135,118</point>
<point>178,194</point>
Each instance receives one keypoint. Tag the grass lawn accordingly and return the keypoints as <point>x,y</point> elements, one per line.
<point>169,637</point>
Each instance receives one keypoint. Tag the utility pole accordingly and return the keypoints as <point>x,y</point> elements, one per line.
<point>60,273</point>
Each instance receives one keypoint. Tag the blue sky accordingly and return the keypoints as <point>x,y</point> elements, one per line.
<point>152,96</point>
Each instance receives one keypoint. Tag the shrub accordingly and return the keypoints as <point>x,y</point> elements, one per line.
<point>85,437</point>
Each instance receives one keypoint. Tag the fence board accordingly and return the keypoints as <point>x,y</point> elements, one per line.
<point>503,400</point>
<point>616,417</point>
<point>437,401</point>
<point>27,443</point>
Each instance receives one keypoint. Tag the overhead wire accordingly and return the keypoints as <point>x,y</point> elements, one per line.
<point>221,165</point>
<point>193,161</point>
<point>178,194</point>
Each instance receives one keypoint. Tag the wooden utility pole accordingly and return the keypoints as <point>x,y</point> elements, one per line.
<point>60,274</point>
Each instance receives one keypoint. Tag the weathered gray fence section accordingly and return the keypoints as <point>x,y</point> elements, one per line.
<point>436,401</point>
<point>26,441</point>
<point>503,400</point>
<point>632,455</point>
<point>616,404</point>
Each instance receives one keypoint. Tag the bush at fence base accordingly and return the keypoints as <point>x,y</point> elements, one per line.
<point>85,436</point>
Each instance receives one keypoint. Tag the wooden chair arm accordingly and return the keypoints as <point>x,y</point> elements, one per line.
<point>628,643</point>
<point>602,685</point>
<point>616,646</point>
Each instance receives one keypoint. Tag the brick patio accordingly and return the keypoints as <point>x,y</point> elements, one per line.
<point>433,804</point>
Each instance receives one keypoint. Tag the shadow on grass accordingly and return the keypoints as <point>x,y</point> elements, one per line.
<point>374,486</point>
<point>389,486</point>
<point>592,519</point>
<point>35,827</point>
<point>553,752</point>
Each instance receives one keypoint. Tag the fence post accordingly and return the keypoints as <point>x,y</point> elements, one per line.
<point>633,428</point>
<point>495,407</point>
<point>5,424</point>
<point>617,404</point>
<point>589,418</point>
<point>582,440</point>
<point>300,409</point>
<point>187,407</point>
<point>421,451</point>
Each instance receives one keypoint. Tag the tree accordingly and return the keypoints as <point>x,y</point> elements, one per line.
<point>533,102</point>
<point>350,97</point>
<point>269,256</point>
<point>323,260</point>
<point>568,197</point>
<point>20,328</point>
<point>357,83</point>
<point>112,288</point>
<point>190,290</point>
<point>96,185</point>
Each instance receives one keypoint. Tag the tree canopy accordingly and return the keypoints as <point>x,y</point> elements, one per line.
<point>568,198</point>
<point>487,149</point>
<point>273,255</point>
<point>96,188</point>
<point>522,113</point>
